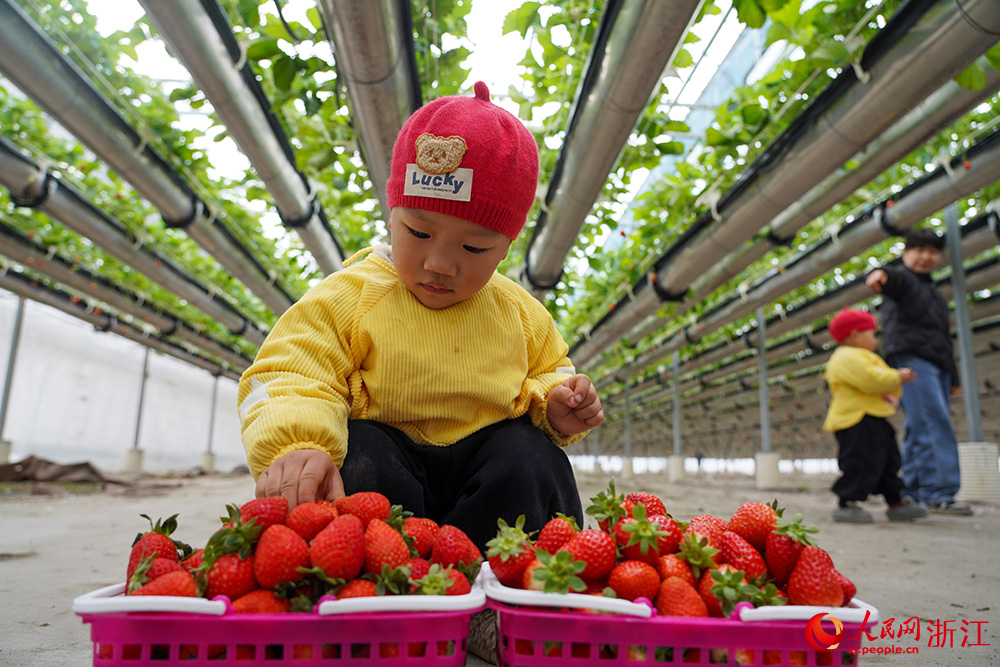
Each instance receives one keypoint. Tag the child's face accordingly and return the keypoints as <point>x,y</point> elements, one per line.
<point>921,260</point>
<point>441,259</point>
<point>865,339</point>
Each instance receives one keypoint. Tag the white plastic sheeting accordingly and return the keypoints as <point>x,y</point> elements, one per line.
<point>75,397</point>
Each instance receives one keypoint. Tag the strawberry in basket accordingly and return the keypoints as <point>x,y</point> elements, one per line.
<point>266,559</point>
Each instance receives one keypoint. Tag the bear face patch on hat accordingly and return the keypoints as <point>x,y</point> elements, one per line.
<point>436,173</point>
<point>467,157</point>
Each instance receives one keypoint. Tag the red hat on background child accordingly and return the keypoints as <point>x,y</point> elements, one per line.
<point>846,321</point>
<point>466,157</point>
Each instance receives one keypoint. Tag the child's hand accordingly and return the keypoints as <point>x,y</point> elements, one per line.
<point>891,399</point>
<point>574,407</point>
<point>907,375</point>
<point>302,476</point>
<point>876,280</point>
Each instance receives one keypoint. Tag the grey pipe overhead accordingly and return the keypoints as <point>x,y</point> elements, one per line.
<point>643,40</point>
<point>30,186</point>
<point>19,285</point>
<point>194,39</point>
<point>33,255</point>
<point>37,67</point>
<point>373,60</point>
<point>942,44</point>
<point>922,201</point>
<point>930,117</point>
<point>949,39</point>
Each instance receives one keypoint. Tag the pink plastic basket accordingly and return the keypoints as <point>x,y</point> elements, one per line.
<point>535,635</point>
<point>215,635</point>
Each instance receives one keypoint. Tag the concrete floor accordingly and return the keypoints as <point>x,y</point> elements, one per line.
<point>54,548</point>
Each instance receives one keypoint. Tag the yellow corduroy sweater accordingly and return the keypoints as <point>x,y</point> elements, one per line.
<point>857,379</point>
<point>360,346</point>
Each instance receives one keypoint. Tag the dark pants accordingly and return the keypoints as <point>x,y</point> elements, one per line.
<point>869,461</point>
<point>502,471</point>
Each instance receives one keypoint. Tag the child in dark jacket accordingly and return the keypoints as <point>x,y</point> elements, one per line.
<point>865,392</point>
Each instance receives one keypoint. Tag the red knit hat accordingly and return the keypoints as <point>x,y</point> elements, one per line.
<point>846,321</point>
<point>467,157</point>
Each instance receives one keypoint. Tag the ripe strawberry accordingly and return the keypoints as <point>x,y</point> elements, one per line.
<point>230,575</point>
<point>846,585</point>
<point>155,542</point>
<point>596,549</point>
<point>673,565</point>
<point>366,505</point>
<point>676,597</point>
<point>723,587</point>
<point>384,547</point>
<point>194,561</point>
<point>418,567</point>
<point>150,568</point>
<point>631,579</point>
<point>607,508</point>
<point>261,601</point>
<point>179,583</point>
<point>813,582</point>
<point>742,555</point>
<point>308,519</point>
<point>267,512</point>
<point>559,573</point>
<point>423,531</point>
<point>280,553</point>
<point>330,505</point>
<point>784,545</point>
<point>357,588</point>
<point>654,505</point>
<point>509,552</point>
<point>339,549</point>
<point>555,533</point>
<point>669,543</point>
<point>699,554</point>
<point>753,522</point>
<point>453,546</point>
<point>460,584</point>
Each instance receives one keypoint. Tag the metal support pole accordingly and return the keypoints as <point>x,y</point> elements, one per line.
<point>627,462</point>
<point>596,435</point>
<point>211,414</point>
<point>142,395</point>
<point>966,359</point>
<point>11,359</point>
<point>676,370</point>
<point>765,407</point>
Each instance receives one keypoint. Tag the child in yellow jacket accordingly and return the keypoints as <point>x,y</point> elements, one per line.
<point>865,392</point>
<point>418,371</point>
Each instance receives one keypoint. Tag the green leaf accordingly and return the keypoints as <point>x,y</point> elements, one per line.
<point>683,59</point>
<point>314,18</point>
<point>753,114</point>
<point>264,49</point>
<point>522,19</point>
<point>972,77</point>
<point>283,69</point>
<point>750,13</point>
<point>778,32</point>
<point>993,57</point>
<point>832,50</point>
<point>714,137</point>
<point>671,148</point>
<point>249,12</point>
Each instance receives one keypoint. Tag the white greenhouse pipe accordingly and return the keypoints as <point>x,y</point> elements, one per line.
<point>37,67</point>
<point>192,36</point>
<point>930,54</point>
<point>642,42</point>
<point>374,61</point>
